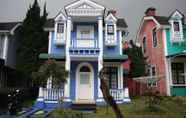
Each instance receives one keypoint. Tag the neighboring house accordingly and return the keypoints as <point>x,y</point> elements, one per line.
<point>85,39</point>
<point>7,50</point>
<point>163,40</point>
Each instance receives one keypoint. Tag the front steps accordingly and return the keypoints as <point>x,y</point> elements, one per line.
<point>84,107</point>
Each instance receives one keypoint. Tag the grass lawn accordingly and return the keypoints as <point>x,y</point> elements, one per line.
<point>169,108</point>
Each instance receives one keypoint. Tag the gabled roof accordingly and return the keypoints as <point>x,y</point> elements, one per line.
<point>121,23</point>
<point>79,3</point>
<point>162,20</point>
<point>8,26</point>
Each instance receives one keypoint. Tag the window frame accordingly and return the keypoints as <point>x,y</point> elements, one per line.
<point>60,28</point>
<point>151,73</point>
<point>154,37</point>
<point>144,44</point>
<point>111,71</point>
<point>108,30</point>
<point>176,68</point>
<point>178,26</point>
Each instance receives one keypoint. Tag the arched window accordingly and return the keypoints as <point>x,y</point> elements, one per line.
<point>84,69</point>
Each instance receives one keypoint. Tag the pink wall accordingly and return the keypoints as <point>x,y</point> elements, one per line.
<point>155,54</point>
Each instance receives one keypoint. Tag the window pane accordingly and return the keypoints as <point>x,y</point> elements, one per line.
<point>60,28</point>
<point>144,44</point>
<point>177,73</point>
<point>84,78</point>
<point>111,73</point>
<point>176,26</point>
<point>154,37</point>
<point>110,29</point>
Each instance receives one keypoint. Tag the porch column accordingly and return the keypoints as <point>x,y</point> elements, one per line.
<point>5,50</point>
<point>121,76</point>
<point>100,58</point>
<point>67,63</point>
<point>49,42</point>
<point>168,76</point>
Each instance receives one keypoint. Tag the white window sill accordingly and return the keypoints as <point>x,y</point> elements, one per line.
<point>178,85</point>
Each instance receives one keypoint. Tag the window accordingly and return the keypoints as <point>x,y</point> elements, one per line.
<point>85,32</point>
<point>144,45</point>
<point>1,45</point>
<point>110,29</point>
<point>152,81</point>
<point>111,74</point>
<point>60,28</point>
<point>84,75</point>
<point>176,27</point>
<point>154,37</point>
<point>177,73</point>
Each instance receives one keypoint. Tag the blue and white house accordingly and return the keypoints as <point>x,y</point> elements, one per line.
<point>85,39</point>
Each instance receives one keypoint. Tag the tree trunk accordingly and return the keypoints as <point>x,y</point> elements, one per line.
<point>108,98</point>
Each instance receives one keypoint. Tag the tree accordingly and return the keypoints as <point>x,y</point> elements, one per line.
<point>32,40</point>
<point>106,94</point>
<point>50,69</point>
<point>135,54</point>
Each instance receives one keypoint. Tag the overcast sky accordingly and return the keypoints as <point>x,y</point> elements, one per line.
<point>131,10</point>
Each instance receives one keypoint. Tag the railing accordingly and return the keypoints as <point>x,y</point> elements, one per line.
<point>117,94</point>
<point>52,94</point>
<point>84,43</point>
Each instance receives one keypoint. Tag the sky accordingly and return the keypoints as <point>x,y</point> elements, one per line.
<point>131,10</point>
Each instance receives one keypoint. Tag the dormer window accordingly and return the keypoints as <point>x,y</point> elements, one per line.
<point>176,26</point>
<point>60,28</point>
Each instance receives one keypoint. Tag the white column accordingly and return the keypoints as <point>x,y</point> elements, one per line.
<point>67,63</point>
<point>168,76</point>
<point>49,42</point>
<point>121,76</point>
<point>100,58</point>
<point>120,42</point>
<point>49,83</point>
<point>5,50</point>
<point>41,94</point>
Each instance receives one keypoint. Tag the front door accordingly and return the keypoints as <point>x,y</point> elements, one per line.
<point>85,84</point>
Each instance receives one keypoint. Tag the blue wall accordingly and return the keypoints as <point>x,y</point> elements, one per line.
<point>111,50</point>
<point>74,65</point>
<point>56,49</point>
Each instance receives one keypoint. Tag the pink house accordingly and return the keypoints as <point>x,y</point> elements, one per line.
<point>151,39</point>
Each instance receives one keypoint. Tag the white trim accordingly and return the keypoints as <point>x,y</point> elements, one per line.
<point>14,28</point>
<point>165,42</point>
<point>77,79</point>
<point>142,22</point>
<point>89,2</point>
<point>100,58</point>
<point>121,76</point>
<point>50,43</point>
<point>100,100</point>
<point>5,50</point>
<point>112,17</point>
<point>51,101</point>
<point>167,69</point>
<point>120,42</point>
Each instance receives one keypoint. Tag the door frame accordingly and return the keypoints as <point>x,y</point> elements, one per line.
<point>77,79</point>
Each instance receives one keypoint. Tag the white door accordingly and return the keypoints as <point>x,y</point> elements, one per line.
<point>85,84</point>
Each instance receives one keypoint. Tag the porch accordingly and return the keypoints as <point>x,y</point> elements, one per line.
<point>55,95</point>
